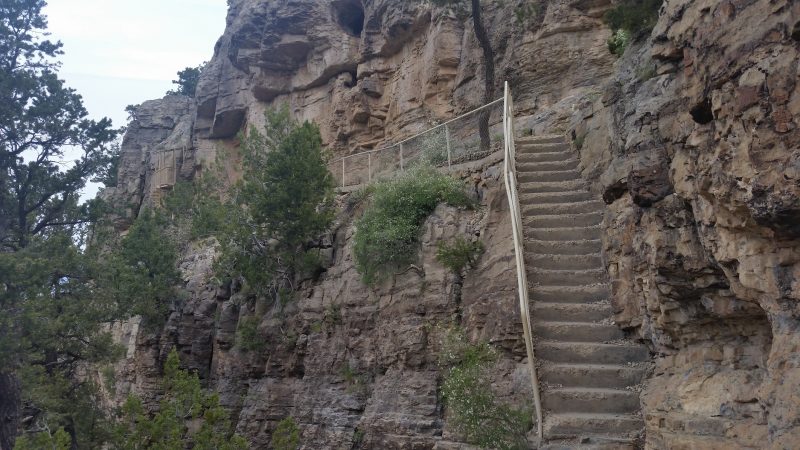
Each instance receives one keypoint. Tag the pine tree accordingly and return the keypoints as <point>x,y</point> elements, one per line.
<point>48,323</point>
<point>184,403</point>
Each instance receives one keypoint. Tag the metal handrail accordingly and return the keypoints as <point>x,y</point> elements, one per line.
<point>516,225</point>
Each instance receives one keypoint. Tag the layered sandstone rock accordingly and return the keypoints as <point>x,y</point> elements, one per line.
<point>691,138</point>
<point>694,145</point>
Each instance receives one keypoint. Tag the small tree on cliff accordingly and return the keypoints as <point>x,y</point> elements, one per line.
<point>187,81</point>
<point>282,202</point>
<point>186,416</point>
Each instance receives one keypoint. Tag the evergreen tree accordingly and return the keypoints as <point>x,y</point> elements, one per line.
<point>187,81</point>
<point>184,404</point>
<point>282,202</point>
<point>48,321</point>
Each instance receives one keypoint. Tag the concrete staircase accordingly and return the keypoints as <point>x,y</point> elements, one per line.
<point>589,371</point>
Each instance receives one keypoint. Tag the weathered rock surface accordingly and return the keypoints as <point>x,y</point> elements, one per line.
<point>694,144</point>
<point>691,138</point>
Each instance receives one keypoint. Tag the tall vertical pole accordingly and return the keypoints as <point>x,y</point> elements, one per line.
<point>401,157</point>
<point>369,167</point>
<point>447,140</point>
<point>343,173</point>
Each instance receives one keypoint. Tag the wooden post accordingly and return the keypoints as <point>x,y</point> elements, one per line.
<point>343,173</point>
<point>369,167</point>
<point>401,157</point>
<point>447,140</point>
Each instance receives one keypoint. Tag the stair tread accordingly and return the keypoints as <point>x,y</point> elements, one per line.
<point>591,390</point>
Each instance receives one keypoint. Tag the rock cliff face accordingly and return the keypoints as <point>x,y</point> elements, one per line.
<point>691,138</point>
<point>694,143</point>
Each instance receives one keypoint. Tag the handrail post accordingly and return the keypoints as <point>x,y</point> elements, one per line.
<point>447,140</point>
<point>343,172</point>
<point>369,167</point>
<point>401,157</point>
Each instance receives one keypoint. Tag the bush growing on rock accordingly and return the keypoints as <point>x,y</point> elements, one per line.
<point>471,406</point>
<point>458,253</point>
<point>629,20</point>
<point>186,415</point>
<point>387,235</point>
<point>286,435</point>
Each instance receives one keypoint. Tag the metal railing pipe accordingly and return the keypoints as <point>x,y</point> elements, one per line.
<point>509,169</point>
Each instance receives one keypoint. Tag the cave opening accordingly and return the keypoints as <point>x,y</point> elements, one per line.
<point>796,32</point>
<point>350,15</point>
<point>701,112</point>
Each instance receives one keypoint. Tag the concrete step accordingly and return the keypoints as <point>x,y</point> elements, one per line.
<point>591,352</point>
<point>534,198</point>
<point>530,187</point>
<point>564,233</point>
<point>592,375</point>
<point>548,175</point>
<point>591,400</point>
<point>563,220</point>
<point>592,426</point>
<point>544,157</point>
<point>577,331</point>
<point>592,293</point>
<point>571,312</point>
<point>541,139</point>
<point>579,247</point>
<point>562,208</point>
<point>569,164</point>
<point>541,147</point>
<point>549,277</point>
<point>592,444</point>
<point>563,262</point>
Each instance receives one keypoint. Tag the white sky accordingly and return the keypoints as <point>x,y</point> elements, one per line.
<point>122,52</point>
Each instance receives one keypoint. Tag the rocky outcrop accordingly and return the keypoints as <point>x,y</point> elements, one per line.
<point>691,139</point>
<point>155,151</point>
<point>694,145</point>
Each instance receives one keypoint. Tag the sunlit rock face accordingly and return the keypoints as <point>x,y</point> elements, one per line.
<point>691,138</point>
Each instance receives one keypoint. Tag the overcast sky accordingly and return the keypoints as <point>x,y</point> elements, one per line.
<point>122,52</point>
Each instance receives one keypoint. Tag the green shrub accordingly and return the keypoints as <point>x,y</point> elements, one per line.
<point>197,206</point>
<point>286,435</point>
<point>187,417</point>
<point>433,148</point>
<point>471,407</point>
<point>630,19</point>
<point>282,202</point>
<point>140,272</point>
<point>618,42</point>
<point>249,338</point>
<point>458,253</point>
<point>387,235</point>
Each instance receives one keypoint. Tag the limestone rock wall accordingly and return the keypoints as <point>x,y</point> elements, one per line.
<point>691,138</point>
<point>694,145</point>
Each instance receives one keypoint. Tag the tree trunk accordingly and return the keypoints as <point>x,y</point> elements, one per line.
<point>10,403</point>
<point>488,79</point>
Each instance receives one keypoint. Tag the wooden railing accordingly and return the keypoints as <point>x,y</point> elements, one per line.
<point>510,172</point>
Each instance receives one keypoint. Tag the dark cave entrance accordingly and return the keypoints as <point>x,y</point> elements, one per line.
<point>350,16</point>
<point>701,112</point>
